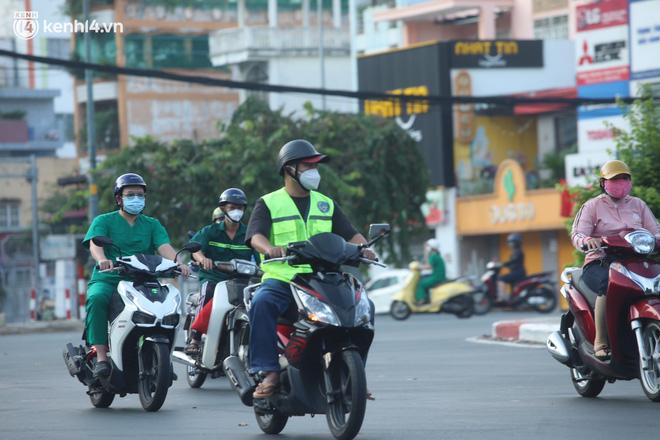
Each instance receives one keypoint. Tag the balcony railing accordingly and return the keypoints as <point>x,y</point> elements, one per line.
<point>230,46</point>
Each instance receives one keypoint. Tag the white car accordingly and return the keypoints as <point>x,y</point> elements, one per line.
<point>383,286</point>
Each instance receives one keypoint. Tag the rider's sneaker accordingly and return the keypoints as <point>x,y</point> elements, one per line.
<point>102,369</point>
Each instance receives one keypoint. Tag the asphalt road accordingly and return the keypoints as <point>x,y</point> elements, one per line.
<point>429,383</point>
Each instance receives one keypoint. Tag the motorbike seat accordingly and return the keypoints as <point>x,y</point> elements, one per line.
<point>582,287</point>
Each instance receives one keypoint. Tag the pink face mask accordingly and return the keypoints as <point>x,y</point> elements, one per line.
<point>618,188</point>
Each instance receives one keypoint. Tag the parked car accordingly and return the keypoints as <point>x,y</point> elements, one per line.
<point>383,286</point>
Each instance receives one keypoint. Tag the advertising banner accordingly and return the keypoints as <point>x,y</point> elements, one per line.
<point>417,71</point>
<point>602,14</point>
<point>645,38</point>
<point>602,55</point>
<point>489,54</point>
<point>596,135</point>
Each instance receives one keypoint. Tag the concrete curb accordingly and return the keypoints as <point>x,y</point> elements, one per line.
<point>42,327</point>
<point>532,330</point>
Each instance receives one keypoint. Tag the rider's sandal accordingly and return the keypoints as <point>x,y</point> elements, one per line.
<point>603,354</point>
<point>192,349</point>
<point>264,390</point>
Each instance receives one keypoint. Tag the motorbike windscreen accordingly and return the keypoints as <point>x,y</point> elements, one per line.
<point>329,248</point>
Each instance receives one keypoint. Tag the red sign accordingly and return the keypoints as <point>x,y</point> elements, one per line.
<point>603,76</point>
<point>602,14</point>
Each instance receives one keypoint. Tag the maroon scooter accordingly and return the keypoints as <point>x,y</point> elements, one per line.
<point>633,319</point>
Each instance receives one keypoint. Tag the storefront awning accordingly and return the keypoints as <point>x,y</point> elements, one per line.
<point>535,109</point>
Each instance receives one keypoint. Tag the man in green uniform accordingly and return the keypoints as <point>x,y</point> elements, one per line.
<point>293,213</point>
<point>221,241</point>
<point>133,233</point>
<point>438,273</point>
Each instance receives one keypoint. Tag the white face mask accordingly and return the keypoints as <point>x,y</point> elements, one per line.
<point>235,215</point>
<point>310,179</point>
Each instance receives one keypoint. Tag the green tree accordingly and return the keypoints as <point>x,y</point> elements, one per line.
<point>639,147</point>
<point>376,173</point>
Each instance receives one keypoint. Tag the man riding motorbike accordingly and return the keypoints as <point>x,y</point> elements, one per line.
<point>293,213</point>
<point>221,241</point>
<point>515,264</point>
<point>438,275</point>
<point>133,233</point>
<point>605,215</point>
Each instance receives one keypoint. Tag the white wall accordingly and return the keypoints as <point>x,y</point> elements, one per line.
<point>446,235</point>
<point>306,72</point>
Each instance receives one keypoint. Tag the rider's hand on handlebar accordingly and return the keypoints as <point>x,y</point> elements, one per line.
<point>185,270</point>
<point>206,263</point>
<point>369,254</point>
<point>276,252</point>
<point>593,243</point>
<point>105,265</point>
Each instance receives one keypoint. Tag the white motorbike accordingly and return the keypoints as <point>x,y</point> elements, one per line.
<point>143,316</point>
<point>215,345</point>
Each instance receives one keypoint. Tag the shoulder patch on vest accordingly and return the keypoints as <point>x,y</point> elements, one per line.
<point>323,206</point>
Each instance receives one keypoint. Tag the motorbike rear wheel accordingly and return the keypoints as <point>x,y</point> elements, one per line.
<point>550,297</point>
<point>155,377</point>
<point>650,377</point>
<point>400,310</point>
<point>272,423</point>
<point>101,398</point>
<point>483,303</point>
<point>349,387</point>
<point>586,387</point>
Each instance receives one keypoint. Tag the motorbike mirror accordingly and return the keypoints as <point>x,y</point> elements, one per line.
<point>377,230</point>
<point>102,241</point>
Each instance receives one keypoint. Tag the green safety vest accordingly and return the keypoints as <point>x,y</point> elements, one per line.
<point>288,227</point>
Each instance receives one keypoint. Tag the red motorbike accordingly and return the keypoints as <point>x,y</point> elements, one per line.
<point>534,291</point>
<point>633,319</point>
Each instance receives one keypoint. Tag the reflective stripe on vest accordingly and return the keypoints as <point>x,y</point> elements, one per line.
<point>288,227</point>
<point>235,247</point>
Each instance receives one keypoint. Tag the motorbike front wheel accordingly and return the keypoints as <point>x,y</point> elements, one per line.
<point>194,376</point>
<point>155,376</point>
<point>349,388</point>
<point>585,386</point>
<point>400,310</point>
<point>649,372</point>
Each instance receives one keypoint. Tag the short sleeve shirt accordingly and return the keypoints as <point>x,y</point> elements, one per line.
<point>145,236</point>
<point>217,246</point>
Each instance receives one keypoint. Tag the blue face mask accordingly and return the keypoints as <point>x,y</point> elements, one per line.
<point>133,205</point>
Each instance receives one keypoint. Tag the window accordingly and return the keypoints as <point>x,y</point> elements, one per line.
<point>9,212</point>
<point>550,28</point>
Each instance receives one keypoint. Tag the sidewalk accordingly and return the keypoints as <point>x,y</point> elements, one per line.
<point>41,327</point>
<point>534,330</point>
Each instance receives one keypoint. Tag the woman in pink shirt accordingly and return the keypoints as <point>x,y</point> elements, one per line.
<point>607,214</point>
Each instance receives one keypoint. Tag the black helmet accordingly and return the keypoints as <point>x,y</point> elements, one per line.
<point>298,149</point>
<point>129,179</point>
<point>233,195</point>
<point>514,237</point>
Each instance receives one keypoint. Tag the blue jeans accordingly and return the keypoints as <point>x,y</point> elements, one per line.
<point>270,300</point>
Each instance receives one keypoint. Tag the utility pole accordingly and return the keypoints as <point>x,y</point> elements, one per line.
<point>319,13</point>
<point>32,177</point>
<point>91,148</point>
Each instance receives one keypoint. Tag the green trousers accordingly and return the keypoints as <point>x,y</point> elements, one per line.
<point>99,294</point>
<point>422,292</point>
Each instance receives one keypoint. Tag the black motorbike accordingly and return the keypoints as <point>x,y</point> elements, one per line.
<point>323,340</point>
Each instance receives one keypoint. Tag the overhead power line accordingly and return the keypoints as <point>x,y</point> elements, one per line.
<point>361,95</point>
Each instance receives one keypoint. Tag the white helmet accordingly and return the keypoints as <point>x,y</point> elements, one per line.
<point>433,244</point>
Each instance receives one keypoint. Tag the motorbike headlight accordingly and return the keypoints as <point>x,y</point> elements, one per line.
<point>246,268</point>
<point>143,318</point>
<point>362,310</point>
<point>317,311</point>
<point>643,242</point>
<point>171,320</point>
